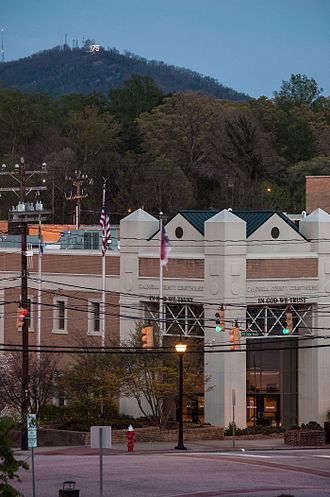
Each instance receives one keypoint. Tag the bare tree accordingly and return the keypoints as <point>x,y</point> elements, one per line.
<point>41,381</point>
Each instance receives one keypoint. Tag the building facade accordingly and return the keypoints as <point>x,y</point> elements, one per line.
<point>264,270</point>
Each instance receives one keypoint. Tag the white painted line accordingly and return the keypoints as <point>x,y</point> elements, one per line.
<point>230,454</point>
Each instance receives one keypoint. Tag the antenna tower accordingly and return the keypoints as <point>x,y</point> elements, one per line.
<point>2,49</point>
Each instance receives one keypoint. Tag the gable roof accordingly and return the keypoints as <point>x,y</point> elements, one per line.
<point>253,219</point>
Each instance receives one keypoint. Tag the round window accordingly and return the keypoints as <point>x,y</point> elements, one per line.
<point>275,232</point>
<point>179,232</point>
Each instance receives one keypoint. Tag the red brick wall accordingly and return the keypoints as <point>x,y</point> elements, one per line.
<point>176,268</point>
<point>77,319</point>
<point>281,268</point>
<point>317,193</point>
<point>71,264</point>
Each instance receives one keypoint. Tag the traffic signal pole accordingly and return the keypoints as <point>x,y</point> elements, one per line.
<point>25,327</point>
<point>25,339</point>
<point>24,216</point>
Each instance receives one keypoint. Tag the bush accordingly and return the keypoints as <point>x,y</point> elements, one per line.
<point>254,430</point>
<point>9,466</point>
<point>311,425</point>
<point>229,430</point>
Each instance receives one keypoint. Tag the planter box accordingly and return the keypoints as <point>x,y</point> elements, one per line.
<point>304,437</point>
<point>327,431</point>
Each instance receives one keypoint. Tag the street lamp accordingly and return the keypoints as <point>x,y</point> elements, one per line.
<point>180,349</point>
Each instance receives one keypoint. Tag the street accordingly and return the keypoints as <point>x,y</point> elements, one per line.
<point>300,473</point>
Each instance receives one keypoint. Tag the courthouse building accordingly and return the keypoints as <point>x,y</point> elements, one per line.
<point>263,268</point>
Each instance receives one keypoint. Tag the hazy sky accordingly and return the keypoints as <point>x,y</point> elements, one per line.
<point>248,45</point>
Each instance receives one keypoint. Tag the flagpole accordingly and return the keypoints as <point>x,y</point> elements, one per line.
<point>39,297</point>
<point>161,327</point>
<point>103,283</point>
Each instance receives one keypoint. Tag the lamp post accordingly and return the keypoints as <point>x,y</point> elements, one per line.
<point>180,349</point>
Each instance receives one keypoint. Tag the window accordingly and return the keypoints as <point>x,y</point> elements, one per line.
<point>92,240</point>
<point>180,319</point>
<point>60,316</point>
<point>275,233</point>
<point>179,232</point>
<point>94,318</point>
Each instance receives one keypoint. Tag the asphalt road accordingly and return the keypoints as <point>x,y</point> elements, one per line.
<point>300,473</point>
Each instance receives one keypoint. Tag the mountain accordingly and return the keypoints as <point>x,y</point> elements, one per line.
<point>64,70</point>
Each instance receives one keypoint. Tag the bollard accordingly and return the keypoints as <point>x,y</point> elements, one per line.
<point>130,438</point>
<point>69,489</point>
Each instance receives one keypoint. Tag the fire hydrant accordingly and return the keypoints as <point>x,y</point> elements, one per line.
<point>130,438</point>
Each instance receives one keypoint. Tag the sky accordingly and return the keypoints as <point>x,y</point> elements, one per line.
<point>248,45</point>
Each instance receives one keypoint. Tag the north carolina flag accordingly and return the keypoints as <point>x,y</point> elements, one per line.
<point>165,247</point>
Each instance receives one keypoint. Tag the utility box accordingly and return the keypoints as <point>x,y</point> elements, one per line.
<point>69,489</point>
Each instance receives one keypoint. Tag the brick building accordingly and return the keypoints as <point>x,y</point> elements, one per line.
<point>260,266</point>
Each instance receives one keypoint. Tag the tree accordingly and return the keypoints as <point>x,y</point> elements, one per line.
<point>297,178</point>
<point>91,385</point>
<point>250,157</point>
<point>92,134</point>
<point>41,380</point>
<point>151,378</point>
<point>21,117</point>
<point>9,465</point>
<point>295,137</point>
<point>139,94</point>
<point>299,90</point>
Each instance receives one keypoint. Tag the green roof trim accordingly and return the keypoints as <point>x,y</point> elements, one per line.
<point>253,219</point>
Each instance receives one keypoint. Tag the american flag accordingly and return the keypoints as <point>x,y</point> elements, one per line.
<point>105,224</point>
<point>165,247</point>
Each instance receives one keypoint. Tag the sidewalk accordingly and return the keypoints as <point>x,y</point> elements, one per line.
<point>164,447</point>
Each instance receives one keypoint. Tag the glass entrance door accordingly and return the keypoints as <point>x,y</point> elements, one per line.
<point>271,382</point>
<point>264,410</point>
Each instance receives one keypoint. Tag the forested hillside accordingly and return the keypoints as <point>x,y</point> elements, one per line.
<point>169,152</point>
<point>63,70</point>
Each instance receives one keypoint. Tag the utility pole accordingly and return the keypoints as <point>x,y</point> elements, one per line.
<point>24,213</point>
<point>78,181</point>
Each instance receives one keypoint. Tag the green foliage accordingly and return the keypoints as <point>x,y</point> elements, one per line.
<point>230,429</point>
<point>297,173</point>
<point>9,465</point>
<point>180,151</point>
<point>253,430</point>
<point>299,90</point>
<point>63,71</point>
<point>311,425</point>
<point>151,378</point>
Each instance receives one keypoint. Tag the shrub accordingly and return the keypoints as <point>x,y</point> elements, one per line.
<point>229,430</point>
<point>254,430</point>
<point>311,425</point>
<point>9,464</point>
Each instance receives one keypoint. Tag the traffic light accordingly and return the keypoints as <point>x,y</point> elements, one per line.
<point>234,337</point>
<point>220,320</point>
<point>22,314</point>
<point>147,337</point>
<point>287,327</point>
